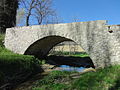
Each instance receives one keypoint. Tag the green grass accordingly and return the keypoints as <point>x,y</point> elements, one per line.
<point>12,65</point>
<point>10,61</point>
<point>76,54</point>
<point>54,81</point>
<point>80,55</point>
<point>103,79</point>
<point>2,36</point>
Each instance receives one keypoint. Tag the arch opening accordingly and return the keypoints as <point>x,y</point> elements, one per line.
<point>71,54</point>
<point>41,47</point>
<point>45,49</point>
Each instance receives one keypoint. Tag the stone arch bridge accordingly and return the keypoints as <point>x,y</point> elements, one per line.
<point>100,41</point>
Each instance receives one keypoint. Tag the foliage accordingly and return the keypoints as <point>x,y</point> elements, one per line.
<point>41,62</point>
<point>8,10</point>
<point>2,40</point>
<point>12,62</point>
<point>104,79</point>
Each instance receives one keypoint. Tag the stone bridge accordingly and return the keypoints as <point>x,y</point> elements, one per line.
<point>99,40</point>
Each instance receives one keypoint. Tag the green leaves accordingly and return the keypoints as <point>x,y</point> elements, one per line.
<point>8,9</point>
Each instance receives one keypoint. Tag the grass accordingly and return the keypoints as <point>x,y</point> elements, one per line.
<point>2,36</point>
<point>81,55</point>
<point>12,65</point>
<point>103,79</point>
<point>75,54</point>
<point>54,81</point>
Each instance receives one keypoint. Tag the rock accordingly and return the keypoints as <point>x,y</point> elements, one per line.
<point>89,70</point>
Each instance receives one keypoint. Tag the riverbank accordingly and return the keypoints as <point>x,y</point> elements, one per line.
<point>101,79</point>
<point>15,68</point>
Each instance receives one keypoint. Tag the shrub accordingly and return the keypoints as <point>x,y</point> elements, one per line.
<point>2,40</point>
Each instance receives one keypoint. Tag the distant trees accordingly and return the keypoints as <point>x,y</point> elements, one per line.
<point>8,10</point>
<point>39,10</point>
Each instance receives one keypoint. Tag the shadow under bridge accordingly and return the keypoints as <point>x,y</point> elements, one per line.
<point>40,49</point>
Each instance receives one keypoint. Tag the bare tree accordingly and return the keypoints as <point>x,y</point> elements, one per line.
<point>37,9</point>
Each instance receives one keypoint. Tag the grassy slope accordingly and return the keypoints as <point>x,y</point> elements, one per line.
<point>13,65</point>
<point>103,79</point>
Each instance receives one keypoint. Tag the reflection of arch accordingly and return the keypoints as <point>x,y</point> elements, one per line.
<point>43,46</point>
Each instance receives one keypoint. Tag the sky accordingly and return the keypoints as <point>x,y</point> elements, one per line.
<point>88,10</point>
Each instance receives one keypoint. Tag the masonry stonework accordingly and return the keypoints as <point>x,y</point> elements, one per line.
<point>100,41</point>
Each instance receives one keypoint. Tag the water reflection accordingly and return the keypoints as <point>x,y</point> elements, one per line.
<point>71,61</point>
<point>70,68</point>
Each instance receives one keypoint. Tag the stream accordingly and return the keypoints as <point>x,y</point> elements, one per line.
<point>70,68</point>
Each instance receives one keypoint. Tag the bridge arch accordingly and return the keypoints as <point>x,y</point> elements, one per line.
<point>93,36</point>
<point>41,47</point>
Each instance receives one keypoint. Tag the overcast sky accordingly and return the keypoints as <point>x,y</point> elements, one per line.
<point>87,10</point>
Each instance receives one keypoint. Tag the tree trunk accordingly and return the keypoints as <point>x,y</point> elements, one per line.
<point>2,29</point>
<point>27,20</point>
<point>8,10</point>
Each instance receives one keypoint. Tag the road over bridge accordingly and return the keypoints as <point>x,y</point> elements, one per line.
<point>100,41</point>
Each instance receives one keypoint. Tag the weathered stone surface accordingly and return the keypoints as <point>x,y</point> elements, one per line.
<point>93,36</point>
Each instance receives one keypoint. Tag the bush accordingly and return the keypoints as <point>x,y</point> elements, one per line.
<point>15,63</point>
<point>2,40</point>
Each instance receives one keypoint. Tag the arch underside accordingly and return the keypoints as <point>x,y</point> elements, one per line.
<point>42,47</point>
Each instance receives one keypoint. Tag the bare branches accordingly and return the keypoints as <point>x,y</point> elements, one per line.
<point>39,9</point>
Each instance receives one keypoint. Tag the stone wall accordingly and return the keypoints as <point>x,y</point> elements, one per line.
<point>94,37</point>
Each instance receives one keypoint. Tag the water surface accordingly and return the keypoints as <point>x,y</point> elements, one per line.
<point>70,68</point>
